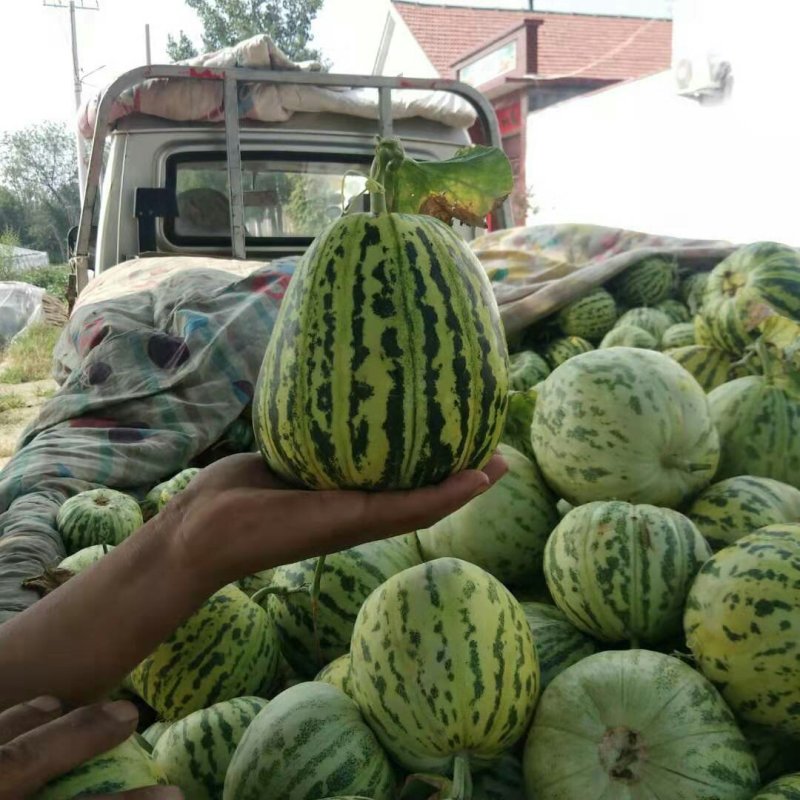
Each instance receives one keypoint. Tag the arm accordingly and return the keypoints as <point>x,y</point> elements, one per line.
<point>81,640</point>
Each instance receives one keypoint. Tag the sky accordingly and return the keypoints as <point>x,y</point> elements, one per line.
<point>36,70</point>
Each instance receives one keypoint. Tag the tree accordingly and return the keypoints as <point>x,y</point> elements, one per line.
<point>39,174</point>
<point>225,22</point>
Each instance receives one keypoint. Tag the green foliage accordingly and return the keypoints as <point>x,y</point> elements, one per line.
<point>11,401</point>
<point>29,356</point>
<point>226,22</point>
<point>53,278</point>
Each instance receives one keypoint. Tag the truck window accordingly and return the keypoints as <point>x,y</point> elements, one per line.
<point>284,197</point>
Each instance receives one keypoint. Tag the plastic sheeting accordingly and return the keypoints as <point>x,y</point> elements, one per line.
<point>20,305</point>
<point>189,99</point>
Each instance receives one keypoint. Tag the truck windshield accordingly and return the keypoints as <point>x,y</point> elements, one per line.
<point>283,197</point>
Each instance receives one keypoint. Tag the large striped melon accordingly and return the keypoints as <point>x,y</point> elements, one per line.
<point>310,742</point>
<point>652,320</point>
<point>97,516</point>
<point>629,336</point>
<point>589,317</point>
<point>226,649</point>
<point>730,509</point>
<point>526,369</point>
<point>194,752</point>
<point>337,674</point>
<point>621,572</point>
<point>387,366</point>
<point>559,644</point>
<point>158,497</point>
<point>126,766</point>
<point>679,335</point>
<point>742,624</point>
<point>561,350</point>
<point>786,787</point>
<point>624,423</point>
<point>638,725</point>
<point>759,277</point>
<point>503,530</point>
<point>313,633</point>
<point>647,282</point>
<point>709,366</point>
<point>758,419</point>
<point>517,430</point>
<point>444,667</point>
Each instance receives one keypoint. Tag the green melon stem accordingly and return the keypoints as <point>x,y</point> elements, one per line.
<point>462,779</point>
<point>389,155</point>
<point>672,462</point>
<point>315,590</point>
<point>281,591</point>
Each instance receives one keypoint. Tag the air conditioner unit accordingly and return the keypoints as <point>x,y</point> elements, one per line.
<point>700,76</point>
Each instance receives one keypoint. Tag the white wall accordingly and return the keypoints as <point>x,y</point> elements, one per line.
<point>641,156</point>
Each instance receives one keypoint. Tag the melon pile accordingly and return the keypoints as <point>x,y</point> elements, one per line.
<point>618,617</point>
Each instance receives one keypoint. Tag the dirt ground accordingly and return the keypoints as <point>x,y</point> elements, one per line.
<point>19,404</point>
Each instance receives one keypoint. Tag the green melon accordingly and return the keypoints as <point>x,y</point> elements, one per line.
<point>161,494</point>
<point>561,350</point>
<point>85,557</point>
<point>675,310</point>
<point>742,622</point>
<point>624,423</point>
<point>757,278</point>
<point>226,649</point>
<point>517,430</point>
<point>194,753</point>
<point>444,667</point>
<point>590,317</point>
<point>629,336</point>
<point>786,787</point>
<point>309,641</point>
<point>647,282</point>
<point>337,673</point>
<point>652,320</point>
<point>251,584</point>
<point>559,644</point>
<point>692,288</point>
<point>680,335</point>
<point>730,509</point>
<point>526,369</point>
<point>709,366</point>
<point>387,365</point>
<point>97,516</point>
<point>638,725</point>
<point>621,572</point>
<point>125,767</point>
<point>309,742</point>
<point>503,530</point>
<point>154,732</point>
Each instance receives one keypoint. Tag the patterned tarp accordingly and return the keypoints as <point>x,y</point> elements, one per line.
<point>161,356</point>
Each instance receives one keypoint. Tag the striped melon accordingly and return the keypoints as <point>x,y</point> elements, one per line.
<point>561,350</point>
<point>309,742</point>
<point>639,725</point>
<point>675,310</point>
<point>503,530</point>
<point>629,336</point>
<point>155,500</point>
<point>387,365</point>
<point>758,419</point>
<point>652,320</point>
<point>730,509</point>
<point>226,649</point>
<point>194,753</point>
<point>692,288</point>
<point>742,620</point>
<point>127,766</point>
<point>680,335</point>
<point>154,732</point>
<point>526,369</point>
<point>759,277</point>
<point>337,673</point>
<point>624,423</point>
<point>559,644</point>
<point>85,557</point>
<point>309,641</point>
<point>703,335</point>
<point>776,754</point>
<point>444,667</point>
<point>517,429</point>
<point>786,787</point>
<point>621,572</point>
<point>97,516</point>
<point>590,317</point>
<point>647,282</point>
<point>709,366</point>
<point>251,584</point>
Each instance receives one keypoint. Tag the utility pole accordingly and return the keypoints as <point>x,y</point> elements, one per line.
<point>79,5</point>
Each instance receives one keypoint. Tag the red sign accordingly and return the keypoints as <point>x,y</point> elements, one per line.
<point>509,118</point>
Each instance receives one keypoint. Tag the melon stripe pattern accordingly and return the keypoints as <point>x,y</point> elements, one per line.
<point>675,310</point>
<point>337,674</point>
<point>560,350</point>
<point>629,336</point>
<point>784,788</point>
<point>652,320</point>
<point>741,624</point>
<point>396,375</point>
<point>679,335</point>
<point>645,283</point>
<point>444,666</point>
<point>589,317</point>
<point>710,366</point>
<point>97,516</point>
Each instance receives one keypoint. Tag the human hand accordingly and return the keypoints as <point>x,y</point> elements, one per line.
<point>236,518</point>
<point>39,742</point>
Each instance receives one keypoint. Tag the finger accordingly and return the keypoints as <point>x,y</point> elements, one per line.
<point>495,468</point>
<point>26,716</point>
<point>29,761</point>
<point>147,793</point>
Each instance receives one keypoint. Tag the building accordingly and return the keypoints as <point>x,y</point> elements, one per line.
<point>523,61</point>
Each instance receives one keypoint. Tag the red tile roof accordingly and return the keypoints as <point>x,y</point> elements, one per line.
<point>589,46</point>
